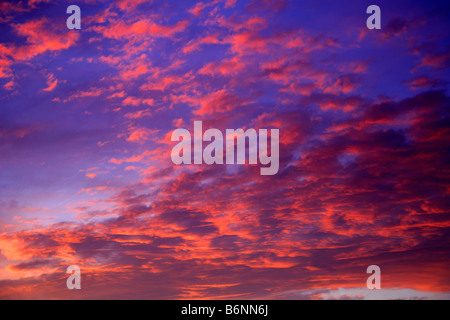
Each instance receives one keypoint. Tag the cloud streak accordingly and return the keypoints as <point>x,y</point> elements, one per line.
<point>85,146</point>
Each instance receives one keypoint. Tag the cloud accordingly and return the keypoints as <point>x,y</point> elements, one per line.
<point>141,28</point>
<point>362,175</point>
<point>51,83</point>
<point>141,135</point>
<point>41,38</point>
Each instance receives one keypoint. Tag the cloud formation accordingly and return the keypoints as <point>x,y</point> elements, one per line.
<point>85,145</point>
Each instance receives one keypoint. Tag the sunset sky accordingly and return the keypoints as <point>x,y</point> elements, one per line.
<point>86,176</point>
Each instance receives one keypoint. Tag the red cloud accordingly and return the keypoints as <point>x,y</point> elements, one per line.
<point>141,28</point>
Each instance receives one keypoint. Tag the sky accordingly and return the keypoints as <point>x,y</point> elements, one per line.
<point>86,176</point>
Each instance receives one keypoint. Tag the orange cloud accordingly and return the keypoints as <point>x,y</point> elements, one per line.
<point>141,28</point>
<point>140,135</point>
<point>51,83</point>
